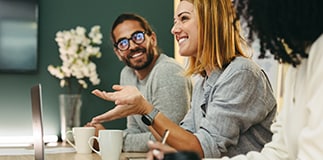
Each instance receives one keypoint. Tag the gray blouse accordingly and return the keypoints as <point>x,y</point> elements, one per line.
<point>232,110</point>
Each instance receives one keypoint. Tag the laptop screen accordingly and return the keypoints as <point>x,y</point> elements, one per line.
<point>36,102</point>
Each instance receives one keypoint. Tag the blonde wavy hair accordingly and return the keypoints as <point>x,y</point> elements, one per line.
<point>219,39</point>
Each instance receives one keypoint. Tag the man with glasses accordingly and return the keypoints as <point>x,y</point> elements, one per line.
<point>153,73</point>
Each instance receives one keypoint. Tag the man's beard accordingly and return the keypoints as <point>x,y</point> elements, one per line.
<point>149,58</point>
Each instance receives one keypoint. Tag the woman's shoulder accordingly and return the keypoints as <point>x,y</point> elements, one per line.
<point>243,63</point>
<point>242,66</point>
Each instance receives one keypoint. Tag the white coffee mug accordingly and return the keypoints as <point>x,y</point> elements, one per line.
<point>81,136</point>
<point>110,143</point>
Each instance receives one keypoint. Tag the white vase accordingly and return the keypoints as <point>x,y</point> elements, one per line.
<point>70,112</point>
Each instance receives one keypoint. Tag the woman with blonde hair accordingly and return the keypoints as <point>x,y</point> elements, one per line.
<point>292,31</point>
<point>232,104</point>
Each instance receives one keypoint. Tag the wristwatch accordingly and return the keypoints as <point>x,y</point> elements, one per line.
<point>148,119</point>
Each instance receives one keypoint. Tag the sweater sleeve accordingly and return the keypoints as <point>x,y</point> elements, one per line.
<point>134,134</point>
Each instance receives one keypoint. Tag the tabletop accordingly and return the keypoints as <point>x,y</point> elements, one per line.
<point>58,152</point>
<point>75,156</point>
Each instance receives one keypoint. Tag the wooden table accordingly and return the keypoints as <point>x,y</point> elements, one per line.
<point>75,156</point>
<point>72,155</point>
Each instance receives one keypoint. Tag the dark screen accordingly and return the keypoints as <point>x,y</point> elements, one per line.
<point>18,35</point>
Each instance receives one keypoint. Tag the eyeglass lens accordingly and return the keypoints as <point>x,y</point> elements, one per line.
<point>137,37</point>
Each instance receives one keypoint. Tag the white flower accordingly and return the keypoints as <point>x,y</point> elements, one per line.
<point>96,35</point>
<point>76,51</point>
<point>83,83</point>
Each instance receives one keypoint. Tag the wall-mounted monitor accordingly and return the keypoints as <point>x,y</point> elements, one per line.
<point>18,36</point>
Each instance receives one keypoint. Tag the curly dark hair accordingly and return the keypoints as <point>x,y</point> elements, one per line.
<point>283,24</point>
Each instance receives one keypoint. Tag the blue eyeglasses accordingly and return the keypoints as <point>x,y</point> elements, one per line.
<point>137,37</point>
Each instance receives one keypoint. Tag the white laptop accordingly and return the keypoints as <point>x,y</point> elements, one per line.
<point>37,118</point>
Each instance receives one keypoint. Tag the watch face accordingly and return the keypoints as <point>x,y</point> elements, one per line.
<point>149,118</point>
<point>146,120</point>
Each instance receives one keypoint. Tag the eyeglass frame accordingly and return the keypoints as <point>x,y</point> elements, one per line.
<point>116,44</point>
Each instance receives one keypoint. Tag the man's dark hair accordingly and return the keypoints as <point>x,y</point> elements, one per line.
<point>131,16</point>
<point>278,24</point>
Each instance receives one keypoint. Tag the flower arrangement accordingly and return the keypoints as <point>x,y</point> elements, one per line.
<point>76,50</point>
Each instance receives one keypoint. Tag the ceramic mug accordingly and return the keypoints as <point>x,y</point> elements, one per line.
<point>81,136</point>
<point>110,143</point>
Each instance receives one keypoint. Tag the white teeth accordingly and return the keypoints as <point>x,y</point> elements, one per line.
<point>181,40</point>
<point>136,55</point>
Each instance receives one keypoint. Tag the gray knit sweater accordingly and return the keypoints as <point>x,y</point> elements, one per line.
<point>165,88</point>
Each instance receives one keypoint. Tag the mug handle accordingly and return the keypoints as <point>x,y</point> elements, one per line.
<point>90,142</point>
<point>67,139</point>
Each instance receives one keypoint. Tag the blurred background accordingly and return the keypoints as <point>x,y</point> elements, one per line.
<point>50,17</point>
<point>45,18</point>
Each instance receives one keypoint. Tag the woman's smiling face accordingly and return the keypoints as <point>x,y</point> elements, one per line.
<point>185,29</point>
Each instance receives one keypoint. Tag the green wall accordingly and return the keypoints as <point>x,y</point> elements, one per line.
<point>55,15</point>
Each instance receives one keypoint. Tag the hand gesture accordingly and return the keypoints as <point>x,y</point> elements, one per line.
<point>128,101</point>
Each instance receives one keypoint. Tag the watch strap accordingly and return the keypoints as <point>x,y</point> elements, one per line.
<point>148,119</point>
